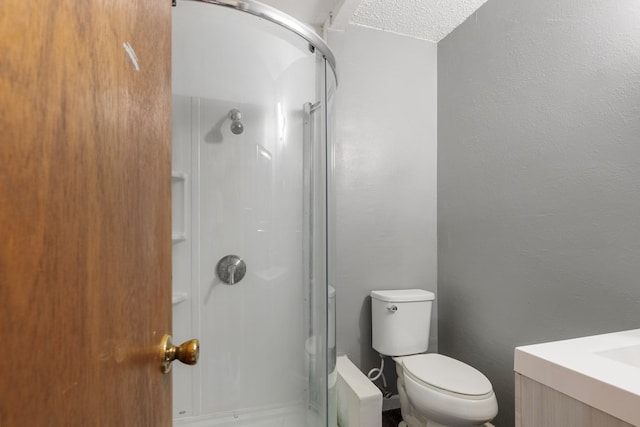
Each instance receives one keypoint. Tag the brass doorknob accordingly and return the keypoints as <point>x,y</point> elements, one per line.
<point>187,352</point>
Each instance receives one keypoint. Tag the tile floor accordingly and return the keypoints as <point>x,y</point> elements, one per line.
<point>391,418</point>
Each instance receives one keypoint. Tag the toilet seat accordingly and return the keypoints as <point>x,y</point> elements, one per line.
<point>447,375</point>
<point>446,390</point>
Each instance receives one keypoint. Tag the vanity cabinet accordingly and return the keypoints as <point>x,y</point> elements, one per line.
<point>540,406</point>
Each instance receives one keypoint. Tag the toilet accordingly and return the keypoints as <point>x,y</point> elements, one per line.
<point>434,390</point>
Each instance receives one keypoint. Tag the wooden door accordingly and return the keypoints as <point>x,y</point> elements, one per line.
<point>85,238</point>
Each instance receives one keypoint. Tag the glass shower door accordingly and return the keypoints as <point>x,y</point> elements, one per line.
<point>250,223</point>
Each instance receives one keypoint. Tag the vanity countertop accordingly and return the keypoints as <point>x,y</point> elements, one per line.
<point>602,371</point>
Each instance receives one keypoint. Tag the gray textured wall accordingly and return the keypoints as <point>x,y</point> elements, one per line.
<point>539,179</point>
<point>385,177</point>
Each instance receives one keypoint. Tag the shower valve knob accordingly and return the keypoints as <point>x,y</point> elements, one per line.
<point>231,269</point>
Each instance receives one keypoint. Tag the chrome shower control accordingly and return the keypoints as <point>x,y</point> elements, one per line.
<point>231,269</point>
<point>392,308</point>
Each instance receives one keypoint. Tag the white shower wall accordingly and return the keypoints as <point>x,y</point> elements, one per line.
<point>236,186</point>
<point>242,195</point>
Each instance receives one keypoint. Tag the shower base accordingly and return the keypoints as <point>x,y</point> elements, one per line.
<point>272,417</point>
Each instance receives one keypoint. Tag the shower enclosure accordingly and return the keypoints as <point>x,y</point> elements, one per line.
<point>252,113</point>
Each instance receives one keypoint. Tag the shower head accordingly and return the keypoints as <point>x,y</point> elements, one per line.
<point>237,128</point>
<point>236,125</point>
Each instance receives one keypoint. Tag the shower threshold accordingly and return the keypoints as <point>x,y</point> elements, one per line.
<point>289,416</point>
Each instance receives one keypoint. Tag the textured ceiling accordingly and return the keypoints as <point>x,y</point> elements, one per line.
<point>423,19</point>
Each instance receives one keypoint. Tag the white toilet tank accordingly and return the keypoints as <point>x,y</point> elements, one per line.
<point>400,321</point>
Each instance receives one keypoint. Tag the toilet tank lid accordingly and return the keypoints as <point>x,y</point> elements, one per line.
<point>403,295</point>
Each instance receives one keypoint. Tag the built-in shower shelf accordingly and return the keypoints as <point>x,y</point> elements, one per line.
<point>178,297</point>
<point>178,237</point>
<point>177,176</point>
<point>179,211</point>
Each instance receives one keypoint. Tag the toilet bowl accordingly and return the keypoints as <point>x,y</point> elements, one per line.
<point>439,390</point>
<point>435,390</point>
